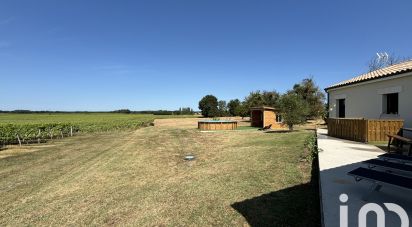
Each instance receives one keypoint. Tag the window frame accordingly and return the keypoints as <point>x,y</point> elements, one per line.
<point>391,105</point>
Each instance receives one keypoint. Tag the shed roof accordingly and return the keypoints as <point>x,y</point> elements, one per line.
<point>389,71</point>
<point>262,108</point>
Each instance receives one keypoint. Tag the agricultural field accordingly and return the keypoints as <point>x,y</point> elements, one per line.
<point>39,127</point>
<point>79,117</point>
<point>139,178</point>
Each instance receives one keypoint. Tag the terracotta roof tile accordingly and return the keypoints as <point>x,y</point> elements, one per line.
<point>380,73</point>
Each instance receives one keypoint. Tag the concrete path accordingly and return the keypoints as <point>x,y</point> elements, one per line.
<point>336,158</point>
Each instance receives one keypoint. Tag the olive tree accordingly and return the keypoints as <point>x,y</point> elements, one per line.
<point>293,108</point>
<point>312,95</point>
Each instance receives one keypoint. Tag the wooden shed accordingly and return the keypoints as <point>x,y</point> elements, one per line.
<point>264,116</point>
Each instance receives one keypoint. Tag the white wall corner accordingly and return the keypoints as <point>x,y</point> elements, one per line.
<point>379,105</point>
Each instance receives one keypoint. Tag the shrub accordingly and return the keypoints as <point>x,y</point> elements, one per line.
<point>311,144</point>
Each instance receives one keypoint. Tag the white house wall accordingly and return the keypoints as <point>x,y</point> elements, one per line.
<point>364,100</point>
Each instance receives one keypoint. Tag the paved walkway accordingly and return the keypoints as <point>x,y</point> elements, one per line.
<point>336,158</point>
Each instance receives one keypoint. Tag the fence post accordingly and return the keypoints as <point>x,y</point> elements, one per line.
<point>38,137</point>
<point>71,130</point>
<point>18,138</point>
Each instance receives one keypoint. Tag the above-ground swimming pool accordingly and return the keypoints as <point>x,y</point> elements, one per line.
<point>216,125</point>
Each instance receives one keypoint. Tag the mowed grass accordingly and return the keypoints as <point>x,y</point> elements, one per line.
<point>140,178</point>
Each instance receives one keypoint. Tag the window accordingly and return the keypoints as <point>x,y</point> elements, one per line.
<point>279,118</point>
<point>391,103</point>
<point>340,110</point>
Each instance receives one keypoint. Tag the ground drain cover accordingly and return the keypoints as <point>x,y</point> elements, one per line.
<point>189,157</point>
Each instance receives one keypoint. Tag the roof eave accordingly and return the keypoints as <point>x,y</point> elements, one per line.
<point>367,80</point>
<point>262,108</point>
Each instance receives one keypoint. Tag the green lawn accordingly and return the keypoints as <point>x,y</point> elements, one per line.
<point>140,178</point>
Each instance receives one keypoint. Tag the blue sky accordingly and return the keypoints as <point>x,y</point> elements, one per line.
<point>106,55</point>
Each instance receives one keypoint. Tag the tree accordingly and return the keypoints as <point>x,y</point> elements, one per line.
<point>270,98</point>
<point>242,110</point>
<point>384,60</point>
<point>265,98</point>
<point>254,99</point>
<point>233,105</point>
<point>312,95</point>
<point>222,107</point>
<point>184,111</point>
<point>208,106</point>
<point>127,111</point>
<point>293,109</point>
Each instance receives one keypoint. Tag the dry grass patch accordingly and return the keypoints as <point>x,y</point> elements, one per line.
<point>140,178</point>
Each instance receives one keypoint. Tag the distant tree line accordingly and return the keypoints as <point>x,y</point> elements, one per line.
<point>48,111</point>
<point>304,101</point>
<point>180,111</point>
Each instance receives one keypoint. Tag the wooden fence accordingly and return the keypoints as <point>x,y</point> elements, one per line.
<point>363,130</point>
